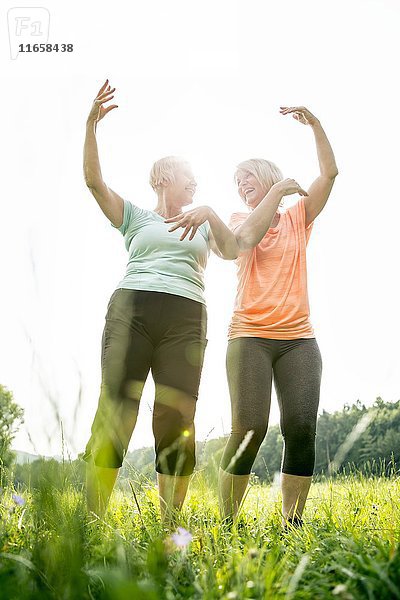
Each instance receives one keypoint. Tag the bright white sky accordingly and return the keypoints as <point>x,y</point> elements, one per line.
<point>201,79</point>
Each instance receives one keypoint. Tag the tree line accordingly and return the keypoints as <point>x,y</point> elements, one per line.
<point>355,437</point>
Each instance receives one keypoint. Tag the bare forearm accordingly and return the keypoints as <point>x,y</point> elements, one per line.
<point>326,158</point>
<point>259,221</point>
<point>91,162</point>
<point>224,238</point>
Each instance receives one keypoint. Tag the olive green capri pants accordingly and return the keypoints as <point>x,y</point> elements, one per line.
<point>166,334</point>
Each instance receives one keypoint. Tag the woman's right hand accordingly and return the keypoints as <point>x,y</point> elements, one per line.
<point>289,186</point>
<point>97,111</point>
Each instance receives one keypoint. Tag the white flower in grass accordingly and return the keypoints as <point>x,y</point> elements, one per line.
<point>18,499</point>
<point>181,538</point>
<point>339,589</point>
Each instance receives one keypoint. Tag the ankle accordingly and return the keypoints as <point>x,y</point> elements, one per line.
<point>292,522</point>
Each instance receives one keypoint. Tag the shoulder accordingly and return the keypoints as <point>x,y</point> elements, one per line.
<point>296,208</point>
<point>298,211</point>
<point>136,211</point>
<point>133,216</point>
<point>297,214</point>
<point>205,231</point>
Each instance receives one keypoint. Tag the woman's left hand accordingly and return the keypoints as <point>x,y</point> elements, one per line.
<point>300,113</point>
<point>192,219</point>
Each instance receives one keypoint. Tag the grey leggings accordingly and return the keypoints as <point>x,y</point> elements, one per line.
<point>296,367</point>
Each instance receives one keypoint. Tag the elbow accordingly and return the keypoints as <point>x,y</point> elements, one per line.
<point>88,178</point>
<point>332,173</point>
<point>92,176</point>
<point>231,254</point>
<point>91,183</point>
<point>229,251</point>
<point>246,242</point>
<point>233,250</point>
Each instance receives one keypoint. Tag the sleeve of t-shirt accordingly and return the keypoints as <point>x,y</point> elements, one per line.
<point>236,220</point>
<point>205,232</point>
<point>133,220</point>
<point>129,213</point>
<point>299,215</point>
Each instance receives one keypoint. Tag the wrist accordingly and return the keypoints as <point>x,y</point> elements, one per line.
<point>316,124</point>
<point>278,190</point>
<point>91,123</point>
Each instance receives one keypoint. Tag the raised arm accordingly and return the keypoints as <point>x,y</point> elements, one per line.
<point>320,189</point>
<point>252,231</point>
<point>222,241</point>
<point>109,201</point>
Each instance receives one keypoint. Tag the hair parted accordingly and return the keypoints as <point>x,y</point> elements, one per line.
<point>163,171</point>
<point>265,171</point>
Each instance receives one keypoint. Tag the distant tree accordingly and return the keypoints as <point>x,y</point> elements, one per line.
<point>373,448</point>
<point>332,431</point>
<point>11,416</point>
<point>43,473</point>
<point>141,460</point>
<point>376,448</point>
<point>269,457</point>
<point>208,457</point>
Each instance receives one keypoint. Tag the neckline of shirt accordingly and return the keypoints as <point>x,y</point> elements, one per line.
<point>153,212</point>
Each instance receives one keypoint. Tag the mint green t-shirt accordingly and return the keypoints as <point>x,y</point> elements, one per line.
<point>158,260</point>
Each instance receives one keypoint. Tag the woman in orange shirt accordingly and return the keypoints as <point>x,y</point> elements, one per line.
<point>270,335</point>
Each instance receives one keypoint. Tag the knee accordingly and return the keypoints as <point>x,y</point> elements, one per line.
<point>249,439</point>
<point>111,432</point>
<point>105,452</point>
<point>253,430</point>
<point>175,454</point>
<point>174,442</point>
<point>299,432</point>
<point>173,421</point>
<point>241,450</point>
<point>299,454</point>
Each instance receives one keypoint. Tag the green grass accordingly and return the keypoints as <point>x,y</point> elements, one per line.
<point>348,548</point>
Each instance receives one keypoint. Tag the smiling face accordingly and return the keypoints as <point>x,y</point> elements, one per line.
<point>250,189</point>
<point>254,178</point>
<point>180,192</point>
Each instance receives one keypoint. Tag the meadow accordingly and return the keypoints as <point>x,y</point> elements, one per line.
<point>349,546</point>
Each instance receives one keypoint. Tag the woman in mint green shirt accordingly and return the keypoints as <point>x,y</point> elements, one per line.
<point>156,320</point>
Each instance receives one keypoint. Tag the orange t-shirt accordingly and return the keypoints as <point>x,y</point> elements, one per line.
<point>272,298</point>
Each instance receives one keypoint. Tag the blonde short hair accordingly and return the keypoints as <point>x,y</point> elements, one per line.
<point>265,171</point>
<point>163,171</point>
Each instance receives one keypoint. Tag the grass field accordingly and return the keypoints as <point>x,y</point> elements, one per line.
<point>348,548</point>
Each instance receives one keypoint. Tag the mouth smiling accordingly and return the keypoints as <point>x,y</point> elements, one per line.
<point>248,191</point>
